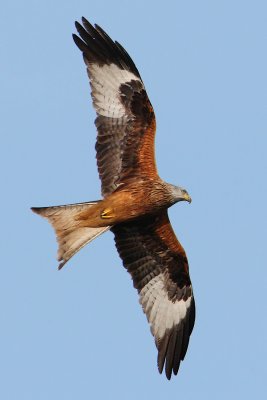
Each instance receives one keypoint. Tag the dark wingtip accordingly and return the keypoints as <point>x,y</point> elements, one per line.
<point>87,23</point>
<point>169,375</point>
<point>77,25</point>
<point>84,20</point>
<point>79,43</point>
<point>75,37</point>
<point>95,43</point>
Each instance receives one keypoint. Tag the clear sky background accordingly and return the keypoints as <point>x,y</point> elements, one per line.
<point>80,333</point>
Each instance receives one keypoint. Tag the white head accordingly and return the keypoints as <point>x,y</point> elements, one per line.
<point>179,194</point>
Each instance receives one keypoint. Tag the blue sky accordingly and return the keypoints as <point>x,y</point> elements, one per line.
<point>80,333</point>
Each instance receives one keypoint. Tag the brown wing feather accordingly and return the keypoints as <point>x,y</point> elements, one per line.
<point>158,265</point>
<point>125,118</point>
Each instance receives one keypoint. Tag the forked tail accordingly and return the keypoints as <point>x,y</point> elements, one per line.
<point>70,236</point>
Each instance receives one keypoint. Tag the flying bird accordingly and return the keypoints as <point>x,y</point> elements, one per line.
<point>135,199</point>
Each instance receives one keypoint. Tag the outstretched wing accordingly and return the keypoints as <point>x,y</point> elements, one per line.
<point>158,265</point>
<point>125,118</point>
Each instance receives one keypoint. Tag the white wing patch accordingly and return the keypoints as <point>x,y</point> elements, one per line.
<point>162,313</point>
<point>105,83</point>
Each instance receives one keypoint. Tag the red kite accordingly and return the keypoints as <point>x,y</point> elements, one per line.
<point>135,199</point>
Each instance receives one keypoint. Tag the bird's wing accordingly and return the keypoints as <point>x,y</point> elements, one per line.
<point>158,265</point>
<point>125,118</point>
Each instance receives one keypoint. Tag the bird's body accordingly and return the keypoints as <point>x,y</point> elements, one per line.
<point>124,203</point>
<point>135,199</point>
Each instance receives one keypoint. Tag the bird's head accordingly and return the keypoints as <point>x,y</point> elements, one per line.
<point>179,194</point>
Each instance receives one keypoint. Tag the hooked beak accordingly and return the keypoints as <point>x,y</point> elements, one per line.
<point>187,197</point>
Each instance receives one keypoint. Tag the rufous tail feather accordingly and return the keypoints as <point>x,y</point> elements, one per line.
<point>70,236</point>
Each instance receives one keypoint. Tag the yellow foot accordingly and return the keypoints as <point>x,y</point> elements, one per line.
<point>107,213</point>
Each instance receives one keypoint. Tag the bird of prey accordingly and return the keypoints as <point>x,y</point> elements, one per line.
<point>135,199</point>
